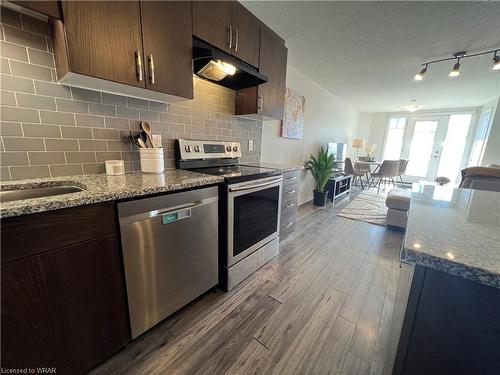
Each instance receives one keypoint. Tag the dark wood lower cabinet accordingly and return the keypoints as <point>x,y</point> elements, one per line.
<point>64,308</point>
<point>451,327</point>
<point>289,203</point>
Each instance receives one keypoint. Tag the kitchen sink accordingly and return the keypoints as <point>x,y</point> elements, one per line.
<point>37,192</point>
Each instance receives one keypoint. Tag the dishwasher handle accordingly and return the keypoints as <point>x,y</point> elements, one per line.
<point>169,214</point>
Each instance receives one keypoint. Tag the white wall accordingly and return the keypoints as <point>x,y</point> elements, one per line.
<point>372,128</point>
<point>377,134</point>
<point>492,150</point>
<point>326,119</point>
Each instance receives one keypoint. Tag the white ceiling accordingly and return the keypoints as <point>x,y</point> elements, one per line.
<point>368,52</point>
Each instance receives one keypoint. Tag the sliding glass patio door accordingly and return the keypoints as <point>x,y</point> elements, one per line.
<point>422,147</point>
<point>437,146</point>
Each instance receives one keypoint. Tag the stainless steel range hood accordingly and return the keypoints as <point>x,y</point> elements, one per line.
<point>219,67</point>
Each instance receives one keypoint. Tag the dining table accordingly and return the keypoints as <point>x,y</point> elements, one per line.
<point>374,163</point>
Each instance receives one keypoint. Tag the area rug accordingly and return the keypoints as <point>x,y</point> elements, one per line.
<point>367,207</point>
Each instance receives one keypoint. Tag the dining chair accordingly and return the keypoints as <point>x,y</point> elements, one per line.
<point>357,174</point>
<point>403,163</point>
<point>364,167</point>
<point>387,172</point>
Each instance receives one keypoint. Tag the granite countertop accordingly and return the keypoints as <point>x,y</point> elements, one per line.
<point>455,231</point>
<point>101,188</point>
<point>281,167</point>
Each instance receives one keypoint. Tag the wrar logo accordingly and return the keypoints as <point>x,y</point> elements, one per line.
<point>46,370</point>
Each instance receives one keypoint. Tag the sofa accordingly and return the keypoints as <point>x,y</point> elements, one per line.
<point>481,178</point>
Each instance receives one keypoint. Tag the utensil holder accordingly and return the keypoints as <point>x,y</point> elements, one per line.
<point>152,160</point>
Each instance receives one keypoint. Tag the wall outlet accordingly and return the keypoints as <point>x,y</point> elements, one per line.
<point>250,145</point>
<point>156,140</point>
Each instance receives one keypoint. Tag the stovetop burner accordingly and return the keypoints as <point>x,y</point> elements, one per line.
<point>239,173</point>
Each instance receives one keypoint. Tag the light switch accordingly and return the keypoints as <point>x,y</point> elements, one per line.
<point>250,145</point>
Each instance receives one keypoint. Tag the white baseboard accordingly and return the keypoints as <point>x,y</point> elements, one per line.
<point>307,199</point>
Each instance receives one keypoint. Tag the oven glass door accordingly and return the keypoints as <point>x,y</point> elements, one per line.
<point>254,219</point>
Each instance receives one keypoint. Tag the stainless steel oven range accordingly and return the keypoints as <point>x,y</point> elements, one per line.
<point>250,204</point>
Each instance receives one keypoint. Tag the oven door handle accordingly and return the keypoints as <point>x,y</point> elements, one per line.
<point>249,187</point>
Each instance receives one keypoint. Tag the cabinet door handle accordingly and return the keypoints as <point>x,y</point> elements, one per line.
<point>291,178</point>
<point>237,40</point>
<point>290,192</point>
<point>290,205</point>
<point>151,63</point>
<point>289,224</point>
<point>260,102</point>
<point>138,66</point>
<point>230,41</point>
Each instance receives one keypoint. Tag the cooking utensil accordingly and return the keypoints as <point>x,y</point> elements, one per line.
<point>134,139</point>
<point>144,137</point>
<point>147,129</point>
<point>141,143</point>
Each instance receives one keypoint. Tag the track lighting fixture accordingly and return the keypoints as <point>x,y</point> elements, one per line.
<point>456,69</point>
<point>496,61</point>
<point>457,57</point>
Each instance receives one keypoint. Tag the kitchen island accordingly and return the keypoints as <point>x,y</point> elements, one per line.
<point>452,320</point>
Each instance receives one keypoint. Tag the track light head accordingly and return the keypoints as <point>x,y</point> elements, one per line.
<point>420,75</point>
<point>496,62</point>
<point>456,69</point>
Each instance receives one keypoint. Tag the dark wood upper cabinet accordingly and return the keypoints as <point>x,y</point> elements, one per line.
<point>266,101</point>
<point>64,303</point>
<point>113,46</point>
<point>212,23</point>
<point>168,46</point>
<point>104,40</point>
<point>273,59</point>
<point>245,44</point>
<point>48,8</point>
<point>229,26</point>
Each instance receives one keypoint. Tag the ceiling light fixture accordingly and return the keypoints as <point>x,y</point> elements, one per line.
<point>457,57</point>
<point>456,69</point>
<point>412,107</point>
<point>496,62</point>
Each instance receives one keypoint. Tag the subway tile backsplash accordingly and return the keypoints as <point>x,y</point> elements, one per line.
<point>50,130</point>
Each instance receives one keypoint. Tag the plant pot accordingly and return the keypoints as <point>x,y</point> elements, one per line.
<point>320,198</point>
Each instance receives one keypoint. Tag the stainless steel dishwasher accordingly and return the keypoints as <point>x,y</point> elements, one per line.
<point>170,252</point>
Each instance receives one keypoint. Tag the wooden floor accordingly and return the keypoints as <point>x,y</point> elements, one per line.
<point>325,305</point>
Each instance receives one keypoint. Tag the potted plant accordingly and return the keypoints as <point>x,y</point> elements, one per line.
<point>321,170</point>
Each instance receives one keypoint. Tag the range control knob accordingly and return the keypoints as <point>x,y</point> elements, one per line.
<point>187,148</point>
<point>235,148</point>
<point>196,148</point>
<point>228,148</point>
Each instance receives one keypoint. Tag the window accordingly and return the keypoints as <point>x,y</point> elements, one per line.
<point>394,140</point>
<point>453,146</point>
<point>480,139</point>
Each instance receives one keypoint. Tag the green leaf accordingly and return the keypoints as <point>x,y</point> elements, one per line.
<point>320,168</point>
